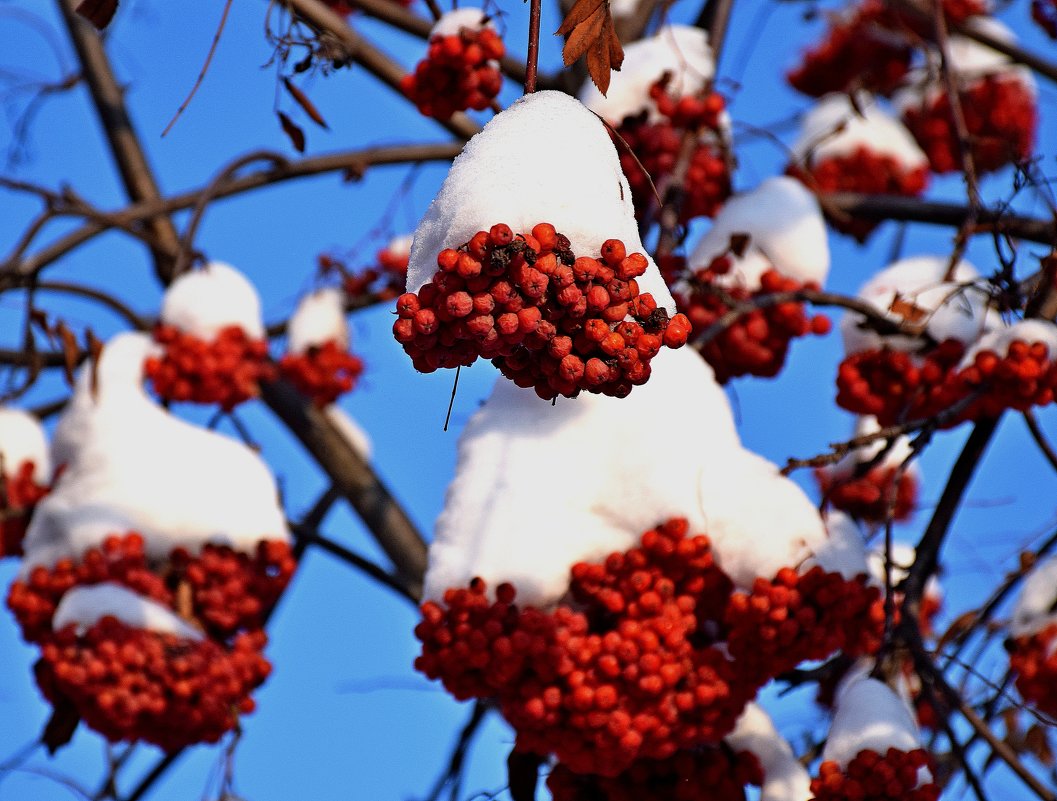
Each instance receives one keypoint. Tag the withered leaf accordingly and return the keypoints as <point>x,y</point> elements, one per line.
<point>70,351</point>
<point>957,627</point>
<point>97,12</point>
<point>302,100</point>
<point>907,310</point>
<point>589,31</point>
<point>1037,742</point>
<point>290,128</point>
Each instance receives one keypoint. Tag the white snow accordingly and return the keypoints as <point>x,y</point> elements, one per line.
<point>834,128</point>
<point>999,340</point>
<point>202,302</point>
<point>86,606</point>
<point>131,466</point>
<point>22,440</point>
<point>544,159</point>
<point>679,49</point>
<point>786,231</point>
<point>954,309</point>
<point>354,434</point>
<point>902,558</point>
<point>318,319</point>
<point>454,21</point>
<point>784,778</point>
<point>400,246</point>
<point>843,551</point>
<point>893,458</point>
<point>869,715</point>
<point>538,488</point>
<point>1033,610</point>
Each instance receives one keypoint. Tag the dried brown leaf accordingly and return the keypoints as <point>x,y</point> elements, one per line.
<point>961,624</point>
<point>97,12</point>
<point>306,105</point>
<point>295,134</point>
<point>590,32</point>
<point>907,310</point>
<point>582,38</point>
<point>1037,742</point>
<point>70,351</point>
<point>581,11</point>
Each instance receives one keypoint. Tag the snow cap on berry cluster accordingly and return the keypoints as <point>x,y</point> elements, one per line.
<point>452,22</point>
<point>915,290</point>
<point>869,715</point>
<point>835,128</point>
<point>131,466</point>
<point>538,488</point>
<point>548,159</point>
<point>399,247</point>
<point>22,440</point>
<point>785,228</point>
<point>86,606</point>
<point>893,456</point>
<point>681,50</point>
<point>1027,331</point>
<point>203,302</point>
<point>318,319</point>
<point>1034,608</point>
<point>784,778</point>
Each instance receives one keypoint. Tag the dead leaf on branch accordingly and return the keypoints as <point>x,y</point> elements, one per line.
<point>306,105</point>
<point>97,12</point>
<point>295,134</point>
<point>589,31</point>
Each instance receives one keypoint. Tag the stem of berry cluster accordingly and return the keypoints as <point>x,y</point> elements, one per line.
<point>532,59</point>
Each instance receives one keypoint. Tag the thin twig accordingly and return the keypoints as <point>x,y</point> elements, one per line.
<point>203,71</point>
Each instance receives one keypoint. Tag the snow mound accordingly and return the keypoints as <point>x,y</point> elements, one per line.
<point>354,434</point>
<point>843,551</point>
<point>131,466</point>
<point>204,301</point>
<point>86,606</point>
<point>679,49</point>
<point>454,21</point>
<point>784,778</point>
<point>914,290</point>
<point>1033,610</point>
<point>318,319</point>
<point>871,716</point>
<point>538,488</point>
<point>544,159</point>
<point>834,128</point>
<point>999,340</point>
<point>786,231</point>
<point>22,440</point>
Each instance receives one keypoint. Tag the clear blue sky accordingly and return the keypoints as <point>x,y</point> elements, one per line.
<point>344,716</point>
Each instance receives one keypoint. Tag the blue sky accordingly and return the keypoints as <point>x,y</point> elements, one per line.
<point>344,716</point>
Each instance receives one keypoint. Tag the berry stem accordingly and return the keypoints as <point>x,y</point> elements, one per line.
<point>532,59</point>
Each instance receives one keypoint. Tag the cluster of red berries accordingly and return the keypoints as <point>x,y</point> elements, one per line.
<point>893,385</point>
<point>19,494</point>
<point>131,684</point>
<point>630,674</point>
<point>757,342</point>
<point>458,73</point>
<point>226,371</point>
<point>708,773</point>
<point>322,372</point>
<point>871,776</point>
<point>1034,661</point>
<point>654,149</point>
<point>545,318</point>
<point>862,171</point>
<point>871,48</point>
<point>384,281</point>
<point>1000,116</point>
<point>795,617</point>
<point>1024,377</point>
<point>866,497</point>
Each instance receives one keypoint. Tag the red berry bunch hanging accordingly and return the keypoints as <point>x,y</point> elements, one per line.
<point>893,385</point>
<point>631,673</point>
<point>226,371</point>
<point>704,774</point>
<point>132,684</point>
<point>460,72</point>
<point>1000,116</point>
<point>757,342</point>
<point>384,281</point>
<point>792,618</point>
<point>19,495</point>
<point>1033,658</point>
<point>546,318</point>
<point>654,146</point>
<point>870,776</point>
<point>1025,376</point>
<point>866,497</point>
<point>322,372</point>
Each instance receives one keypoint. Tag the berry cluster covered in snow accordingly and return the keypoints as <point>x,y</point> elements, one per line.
<point>547,318</point>
<point>25,472</point>
<point>212,340</point>
<point>461,69</point>
<point>151,566</point>
<point>1033,643</point>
